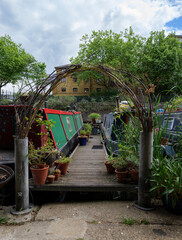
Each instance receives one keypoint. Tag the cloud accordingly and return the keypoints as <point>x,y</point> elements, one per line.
<point>51,30</point>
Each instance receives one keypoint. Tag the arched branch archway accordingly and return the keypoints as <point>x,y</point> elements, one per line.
<point>34,102</point>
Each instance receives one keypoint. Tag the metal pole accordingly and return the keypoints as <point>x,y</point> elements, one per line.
<point>21,176</point>
<point>146,155</point>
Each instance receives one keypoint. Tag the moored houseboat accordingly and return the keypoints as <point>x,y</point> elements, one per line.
<point>64,133</point>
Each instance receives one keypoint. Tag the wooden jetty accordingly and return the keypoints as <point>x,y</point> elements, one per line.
<point>87,172</point>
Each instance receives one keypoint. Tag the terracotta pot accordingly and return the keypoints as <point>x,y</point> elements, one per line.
<point>39,175</point>
<point>134,175</point>
<point>121,176</point>
<point>57,175</point>
<point>63,167</point>
<point>56,164</point>
<point>41,165</point>
<point>88,136</point>
<point>109,167</point>
<point>51,178</point>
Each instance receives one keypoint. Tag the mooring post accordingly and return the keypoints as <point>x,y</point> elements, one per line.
<point>146,155</point>
<point>21,176</point>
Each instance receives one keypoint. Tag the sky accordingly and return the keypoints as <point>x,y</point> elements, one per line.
<point>51,30</point>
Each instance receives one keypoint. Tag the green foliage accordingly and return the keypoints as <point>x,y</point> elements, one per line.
<point>40,155</point>
<point>166,178</point>
<point>61,102</point>
<point>120,163</point>
<point>4,220</point>
<point>5,101</point>
<point>16,64</point>
<point>157,59</point>
<point>87,128</point>
<point>35,75</point>
<point>82,133</point>
<point>128,221</point>
<point>43,122</point>
<point>94,116</point>
<point>108,94</point>
<point>64,159</point>
<point>131,221</point>
<point>111,159</point>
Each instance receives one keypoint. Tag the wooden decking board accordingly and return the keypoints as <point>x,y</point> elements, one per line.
<point>86,172</point>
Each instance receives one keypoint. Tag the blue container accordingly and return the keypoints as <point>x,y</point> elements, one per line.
<point>82,141</point>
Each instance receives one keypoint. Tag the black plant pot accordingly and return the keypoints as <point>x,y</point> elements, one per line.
<point>176,209</point>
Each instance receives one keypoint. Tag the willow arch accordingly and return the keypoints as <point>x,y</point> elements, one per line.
<point>118,76</point>
<point>32,103</point>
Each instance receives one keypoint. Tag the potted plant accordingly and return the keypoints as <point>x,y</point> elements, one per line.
<point>133,166</point>
<point>121,169</point>
<point>88,129</point>
<point>109,164</point>
<point>94,116</point>
<point>51,178</point>
<point>166,182</point>
<point>82,138</point>
<point>38,162</point>
<point>62,164</point>
<point>57,174</point>
<point>121,164</point>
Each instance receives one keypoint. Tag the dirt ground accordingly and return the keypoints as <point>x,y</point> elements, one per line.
<point>91,220</point>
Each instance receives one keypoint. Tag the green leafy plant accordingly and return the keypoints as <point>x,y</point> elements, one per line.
<point>4,220</point>
<point>128,221</point>
<point>111,159</point>
<point>120,163</point>
<point>40,155</point>
<point>87,128</point>
<point>166,178</point>
<point>144,221</point>
<point>64,159</point>
<point>82,133</point>
<point>94,116</point>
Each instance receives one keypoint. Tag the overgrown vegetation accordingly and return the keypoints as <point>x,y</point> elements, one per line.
<point>84,106</point>
<point>131,221</point>
<point>4,220</point>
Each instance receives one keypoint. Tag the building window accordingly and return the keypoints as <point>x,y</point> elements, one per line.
<point>63,79</point>
<point>98,89</point>
<point>86,90</point>
<point>63,89</point>
<point>75,89</point>
<point>74,79</point>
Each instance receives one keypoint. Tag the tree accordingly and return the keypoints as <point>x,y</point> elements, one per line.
<point>157,59</point>
<point>15,63</point>
<point>35,74</point>
<point>161,60</point>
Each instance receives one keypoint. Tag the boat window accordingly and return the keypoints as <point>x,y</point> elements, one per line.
<point>168,123</point>
<point>69,123</point>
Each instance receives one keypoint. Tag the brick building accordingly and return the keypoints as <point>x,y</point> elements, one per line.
<point>70,86</point>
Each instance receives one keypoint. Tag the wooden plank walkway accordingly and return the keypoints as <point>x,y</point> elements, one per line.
<point>87,172</point>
